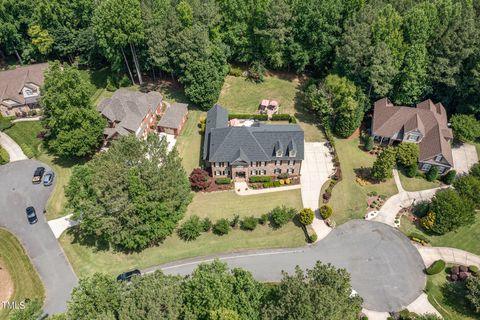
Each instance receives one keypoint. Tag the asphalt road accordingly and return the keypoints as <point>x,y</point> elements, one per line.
<point>16,193</point>
<point>386,270</point>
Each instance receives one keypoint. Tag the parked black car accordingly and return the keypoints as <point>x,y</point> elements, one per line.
<point>38,174</point>
<point>31,215</point>
<point>48,178</point>
<point>127,276</point>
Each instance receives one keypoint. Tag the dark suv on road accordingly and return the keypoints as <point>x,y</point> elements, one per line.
<point>126,276</point>
<point>38,174</point>
<point>31,215</point>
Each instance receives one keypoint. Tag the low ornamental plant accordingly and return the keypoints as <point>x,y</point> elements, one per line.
<point>411,171</point>
<point>313,237</point>
<point>221,227</point>
<point>436,267</point>
<point>249,223</point>
<point>207,224</point>
<point>280,216</point>
<point>432,174</point>
<point>235,221</point>
<point>263,219</point>
<point>190,229</point>
<point>326,211</point>
<point>199,179</point>
<point>254,179</point>
<point>223,181</point>
<point>450,177</point>
<point>305,216</point>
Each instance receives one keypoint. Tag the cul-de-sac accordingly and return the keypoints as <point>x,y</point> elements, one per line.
<point>239,160</point>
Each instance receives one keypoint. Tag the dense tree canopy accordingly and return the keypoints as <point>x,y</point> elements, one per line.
<point>451,211</point>
<point>213,292</point>
<point>133,195</point>
<point>73,126</point>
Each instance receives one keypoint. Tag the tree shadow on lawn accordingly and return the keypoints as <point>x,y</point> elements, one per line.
<point>454,296</point>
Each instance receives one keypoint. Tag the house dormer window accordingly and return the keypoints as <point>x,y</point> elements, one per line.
<point>438,158</point>
<point>279,153</point>
<point>292,153</point>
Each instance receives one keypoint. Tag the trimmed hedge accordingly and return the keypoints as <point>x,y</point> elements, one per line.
<point>436,267</point>
<point>417,237</point>
<point>260,117</point>
<point>326,211</point>
<point>254,179</point>
<point>221,227</point>
<point>249,223</point>
<point>223,181</point>
<point>280,117</point>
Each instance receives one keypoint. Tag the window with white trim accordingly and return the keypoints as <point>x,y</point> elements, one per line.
<point>278,162</point>
<point>426,166</point>
<point>290,170</point>
<point>438,158</point>
<point>277,171</point>
<point>441,169</point>
<point>291,162</point>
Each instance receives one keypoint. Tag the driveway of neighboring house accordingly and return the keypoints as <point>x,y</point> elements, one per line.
<point>13,149</point>
<point>386,270</point>
<point>16,193</point>
<point>316,169</point>
<point>464,157</point>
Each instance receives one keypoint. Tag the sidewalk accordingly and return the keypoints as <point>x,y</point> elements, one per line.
<point>13,149</point>
<point>242,189</point>
<point>451,255</point>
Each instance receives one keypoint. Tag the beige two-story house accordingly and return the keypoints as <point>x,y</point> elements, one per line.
<point>425,124</point>
<point>20,90</point>
<point>258,149</point>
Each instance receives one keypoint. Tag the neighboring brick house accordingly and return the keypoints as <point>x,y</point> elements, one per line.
<point>130,112</point>
<point>173,119</point>
<point>425,124</point>
<point>260,149</point>
<point>20,89</point>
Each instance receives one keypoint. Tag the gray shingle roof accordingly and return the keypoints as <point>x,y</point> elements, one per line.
<point>172,118</point>
<point>255,143</point>
<point>217,117</point>
<point>128,108</point>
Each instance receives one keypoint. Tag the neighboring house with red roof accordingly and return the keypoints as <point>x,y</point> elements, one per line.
<point>20,89</point>
<point>425,124</point>
<point>130,112</point>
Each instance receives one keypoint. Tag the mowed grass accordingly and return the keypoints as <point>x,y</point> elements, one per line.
<point>189,142</point>
<point>349,199</point>
<point>25,133</point>
<point>240,95</point>
<point>216,205</point>
<point>417,183</point>
<point>26,281</point>
<point>466,238</point>
<point>448,298</point>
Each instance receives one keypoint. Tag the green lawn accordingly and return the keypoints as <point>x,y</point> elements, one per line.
<point>448,298</point>
<point>417,183</point>
<point>465,238</point>
<point>240,95</point>
<point>227,204</point>
<point>189,142</point>
<point>25,133</point>
<point>348,197</point>
<point>26,281</point>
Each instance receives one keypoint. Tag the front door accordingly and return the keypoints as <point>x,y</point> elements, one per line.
<point>240,174</point>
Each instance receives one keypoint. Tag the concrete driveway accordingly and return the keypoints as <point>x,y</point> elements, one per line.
<point>13,149</point>
<point>16,193</point>
<point>464,157</point>
<point>386,270</point>
<point>316,168</point>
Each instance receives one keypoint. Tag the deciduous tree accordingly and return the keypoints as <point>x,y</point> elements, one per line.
<point>451,211</point>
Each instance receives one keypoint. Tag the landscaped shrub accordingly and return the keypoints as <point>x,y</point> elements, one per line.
<point>27,150</point>
<point>268,184</point>
<point>221,227</point>
<point>305,216</point>
<point>199,179</point>
<point>280,117</point>
<point>256,72</point>
<point>326,196</point>
<point>4,156</point>
<point>235,221</point>
<point>288,181</point>
<point>436,267</point>
<point>263,218</point>
<point>254,179</point>
<point>280,216</point>
<point>276,183</point>
<point>326,211</point>
<point>282,176</point>
<point>421,208</point>
<point>407,154</point>
<point>411,171</point>
<point>223,181</point>
<point>207,224</point>
<point>475,170</point>
<point>432,174</point>
<point>473,269</point>
<point>190,229</point>
<point>5,122</point>
<point>368,146</point>
<point>428,221</point>
<point>313,237</point>
<point>449,177</point>
<point>249,223</point>
<point>259,117</point>
<point>234,71</point>
<point>417,237</point>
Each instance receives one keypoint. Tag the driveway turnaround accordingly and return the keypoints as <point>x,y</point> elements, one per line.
<point>386,270</point>
<point>16,193</point>
<point>464,157</point>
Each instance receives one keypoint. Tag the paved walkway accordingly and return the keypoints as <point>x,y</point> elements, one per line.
<point>317,167</point>
<point>421,305</point>
<point>451,255</point>
<point>13,149</point>
<point>242,189</point>
<point>464,157</point>
<point>26,119</point>
<point>61,224</point>
<point>401,200</point>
